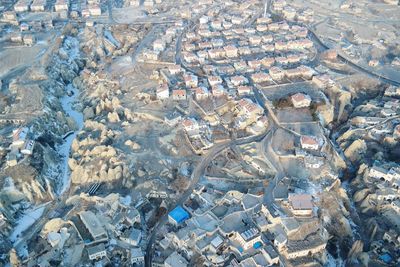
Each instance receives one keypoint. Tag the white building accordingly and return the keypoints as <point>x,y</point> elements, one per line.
<point>191,80</point>
<point>300,100</point>
<point>270,254</point>
<point>96,252</point>
<point>248,238</point>
<point>178,94</point>
<point>22,5</point>
<point>28,147</point>
<point>309,142</point>
<point>201,93</point>
<point>175,260</point>
<point>137,256</point>
<point>133,238</point>
<point>301,204</point>
<point>10,15</point>
<point>61,5</point>
<point>159,45</point>
<point>162,91</point>
<point>38,5</point>
<point>95,10</point>
<point>191,126</point>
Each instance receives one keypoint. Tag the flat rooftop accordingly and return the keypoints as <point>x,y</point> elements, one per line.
<point>93,224</point>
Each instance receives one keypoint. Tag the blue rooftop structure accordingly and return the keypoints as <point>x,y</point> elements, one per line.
<point>257,245</point>
<point>178,215</point>
<point>386,258</point>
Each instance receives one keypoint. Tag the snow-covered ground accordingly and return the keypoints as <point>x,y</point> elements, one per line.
<point>353,211</point>
<point>71,47</point>
<point>29,218</point>
<point>67,103</point>
<point>332,262</point>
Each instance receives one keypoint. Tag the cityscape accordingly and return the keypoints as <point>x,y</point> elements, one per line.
<point>176,133</point>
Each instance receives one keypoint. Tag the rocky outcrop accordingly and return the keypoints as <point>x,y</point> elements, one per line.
<point>356,150</point>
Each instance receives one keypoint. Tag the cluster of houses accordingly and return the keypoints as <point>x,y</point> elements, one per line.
<point>160,44</point>
<point>198,134</point>
<point>268,51</point>
<point>290,13</point>
<point>13,203</point>
<point>391,176</point>
<point>241,229</point>
<point>146,3</point>
<point>85,8</point>
<point>91,8</point>
<point>22,146</point>
<point>105,230</point>
<point>247,116</point>
<point>214,101</point>
<point>40,5</point>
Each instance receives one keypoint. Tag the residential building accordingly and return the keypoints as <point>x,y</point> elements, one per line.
<point>201,93</point>
<point>179,94</point>
<point>313,162</point>
<point>239,80</point>
<point>16,37</point>
<point>300,100</point>
<point>162,91</point>
<point>214,80</point>
<point>28,147</point>
<point>19,137</point>
<point>61,5</point>
<point>94,10</point>
<point>191,126</point>
<point>29,39</point>
<point>231,51</point>
<point>268,62</point>
<point>137,256</point>
<point>133,237</point>
<point>218,90</point>
<point>301,204</point>
<point>178,215</point>
<point>323,81</point>
<point>191,80</point>
<point>22,5</point>
<point>260,77</point>
<point>159,45</point>
<point>174,69</point>
<point>96,252</point>
<point>38,5</point>
<point>248,238</point>
<point>270,254</point>
<point>309,142</point>
<point>93,226</point>
<point>132,217</point>
<point>247,107</point>
<point>244,90</point>
<point>276,73</point>
<point>175,260</point>
<point>10,15</point>
<point>308,247</point>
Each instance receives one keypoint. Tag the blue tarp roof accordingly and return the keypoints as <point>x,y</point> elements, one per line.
<point>179,214</point>
<point>257,245</point>
<point>386,258</point>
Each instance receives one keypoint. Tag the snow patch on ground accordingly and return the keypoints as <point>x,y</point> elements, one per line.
<point>26,221</point>
<point>355,228</point>
<point>127,200</point>
<point>332,262</point>
<point>71,46</point>
<point>67,103</point>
